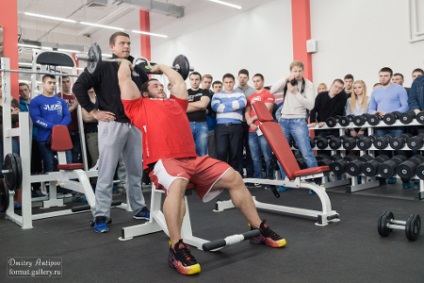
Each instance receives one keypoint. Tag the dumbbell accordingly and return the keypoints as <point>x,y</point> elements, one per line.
<point>374,119</point>
<point>94,59</point>
<point>407,117</point>
<point>420,117</point>
<point>360,120</point>
<point>338,166</point>
<point>382,142</point>
<point>350,142</point>
<point>332,121</point>
<point>370,168</point>
<point>406,170</point>
<point>335,142</point>
<point>387,222</point>
<point>387,169</point>
<point>353,168</point>
<point>323,160</point>
<point>390,118</point>
<point>365,142</point>
<point>345,120</point>
<point>420,171</point>
<point>321,142</point>
<point>416,142</point>
<point>399,142</point>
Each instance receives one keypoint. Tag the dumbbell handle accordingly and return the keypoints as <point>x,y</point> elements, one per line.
<point>5,171</point>
<point>399,222</point>
<point>396,226</point>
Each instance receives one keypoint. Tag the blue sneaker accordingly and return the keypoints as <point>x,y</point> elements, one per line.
<point>391,180</point>
<point>143,214</point>
<point>283,189</point>
<point>79,198</point>
<point>100,224</point>
<point>407,185</point>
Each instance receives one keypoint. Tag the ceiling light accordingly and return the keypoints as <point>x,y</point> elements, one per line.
<point>101,26</point>
<point>226,4</point>
<point>150,33</point>
<point>49,17</point>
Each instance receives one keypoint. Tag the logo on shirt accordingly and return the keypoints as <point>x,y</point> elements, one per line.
<point>54,107</point>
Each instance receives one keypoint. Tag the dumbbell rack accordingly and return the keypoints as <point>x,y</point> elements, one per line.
<point>368,182</point>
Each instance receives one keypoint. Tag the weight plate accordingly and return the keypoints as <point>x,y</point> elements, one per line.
<point>182,66</point>
<point>10,178</point>
<point>94,57</point>
<point>4,197</point>
<point>384,220</point>
<point>413,227</point>
<point>18,171</point>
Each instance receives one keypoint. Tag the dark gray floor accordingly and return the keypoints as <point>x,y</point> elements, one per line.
<point>348,251</point>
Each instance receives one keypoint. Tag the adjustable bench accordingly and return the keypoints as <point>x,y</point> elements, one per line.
<point>296,178</point>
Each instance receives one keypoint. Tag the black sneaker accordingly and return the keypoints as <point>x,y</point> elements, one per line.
<point>181,259</point>
<point>268,237</point>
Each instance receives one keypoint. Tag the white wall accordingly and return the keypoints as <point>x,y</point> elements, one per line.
<point>357,37</point>
<point>361,37</point>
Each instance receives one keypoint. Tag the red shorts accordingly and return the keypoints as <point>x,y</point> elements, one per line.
<point>203,172</point>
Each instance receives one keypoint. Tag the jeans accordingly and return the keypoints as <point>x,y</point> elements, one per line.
<point>229,138</point>
<point>258,145</point>
<point>48,157</point>
<point>298,129</point>
<point>245,162</point>
<point>200,134</point>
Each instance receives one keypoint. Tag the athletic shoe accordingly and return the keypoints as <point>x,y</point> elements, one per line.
<point>79,198</point>
<point>181,259</point>
<point>283,189</point>
<point>391,180</point>
<point>268,237</point>
<point>100,225</point>
<point>407,185</point>
<point>143,214</point>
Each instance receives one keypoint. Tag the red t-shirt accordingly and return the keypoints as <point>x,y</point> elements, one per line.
<point>164,125</point>
<point>265,96</point>
<point>70,100</point>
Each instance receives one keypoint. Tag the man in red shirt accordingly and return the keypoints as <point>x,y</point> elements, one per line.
<point>257,141</point>
<point>170,156</point>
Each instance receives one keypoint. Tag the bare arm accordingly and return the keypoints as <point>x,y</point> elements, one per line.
<point>179,88</point>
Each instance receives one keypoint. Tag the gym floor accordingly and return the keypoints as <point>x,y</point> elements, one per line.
<point>348,251</point>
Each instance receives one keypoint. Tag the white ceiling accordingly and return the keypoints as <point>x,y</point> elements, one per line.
<point>200,12</point>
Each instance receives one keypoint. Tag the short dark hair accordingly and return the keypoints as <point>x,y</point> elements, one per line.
<point>418,70</point>
<point>386,70</point>
<point>113,37</point>
<point>195,74</point>
<point>228,75</point>
<point>398,74</point>
<point>244,72</point>
<point>339,81</point>
<point>216,83</point>
<point>24,84</point>
<point>348,76</point>
<point>48,76</point>
<point>145,86</point>
<point>259,75</point>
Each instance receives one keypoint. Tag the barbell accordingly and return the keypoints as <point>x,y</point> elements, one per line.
<point>94,59</point>
<point>12,172</point>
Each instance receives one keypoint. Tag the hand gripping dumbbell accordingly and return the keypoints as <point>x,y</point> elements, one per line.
<point>390,118</point>
<point>374,119</point>
<point>338,166</point>
<point>370,168</point>
<point>345,120</point>
<point>406,170</point>
<point>354,167</point>
<point>387,223</point>
<point>407,117</point>
<point>387,169</point>
<point>399,142</point>
<point>359,120</point>
<point>365,142</point>
<point>416,142</point>
<point>382,142</point>
<point>332,121</point>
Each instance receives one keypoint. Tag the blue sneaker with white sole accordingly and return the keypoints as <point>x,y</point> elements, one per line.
<point>100,224</point>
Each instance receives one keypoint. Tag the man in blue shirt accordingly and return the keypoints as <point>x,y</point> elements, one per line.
<point>48,110</point>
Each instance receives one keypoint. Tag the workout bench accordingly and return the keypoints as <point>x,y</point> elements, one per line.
<point>296,178</point>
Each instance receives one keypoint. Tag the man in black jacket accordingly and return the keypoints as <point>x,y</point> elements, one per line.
<point>116,134</point>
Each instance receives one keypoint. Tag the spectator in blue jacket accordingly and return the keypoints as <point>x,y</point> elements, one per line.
<point>48,110</point>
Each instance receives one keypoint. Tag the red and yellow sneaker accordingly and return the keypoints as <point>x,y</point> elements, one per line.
<point>268,237</point>
<point>181,259</point>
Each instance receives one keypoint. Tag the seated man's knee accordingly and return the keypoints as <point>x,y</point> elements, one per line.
<point>233,179</point>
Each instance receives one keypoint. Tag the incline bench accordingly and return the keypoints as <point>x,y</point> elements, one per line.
<point>296,178</point>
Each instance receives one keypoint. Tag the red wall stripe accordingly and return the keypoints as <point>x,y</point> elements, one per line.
<point>301,30</point>
<point>145,39</point>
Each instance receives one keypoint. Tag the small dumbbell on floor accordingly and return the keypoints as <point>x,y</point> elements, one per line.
<point>387,222</point>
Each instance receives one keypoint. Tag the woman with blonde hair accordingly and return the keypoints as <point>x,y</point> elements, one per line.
<point>357,104</point>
